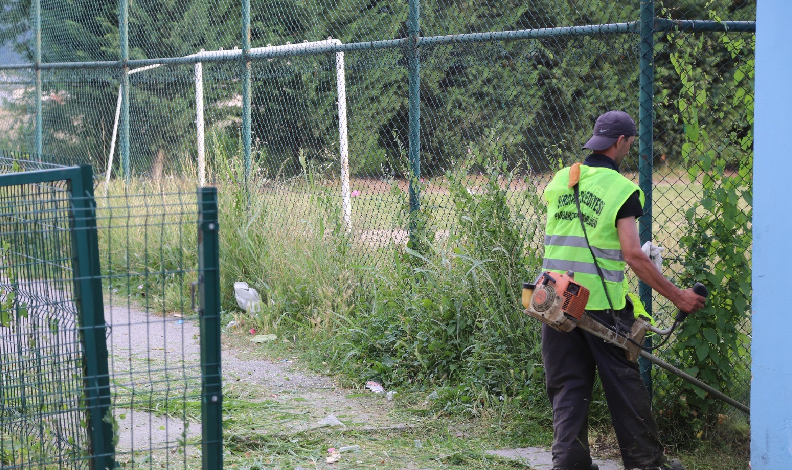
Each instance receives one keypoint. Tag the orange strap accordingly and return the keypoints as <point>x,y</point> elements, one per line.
<point>574,175</point>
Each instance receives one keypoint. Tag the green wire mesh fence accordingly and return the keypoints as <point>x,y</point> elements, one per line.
<point>43,417</point>
<point>341,110</point>
<point>154,343</point>
<point>110,367</point>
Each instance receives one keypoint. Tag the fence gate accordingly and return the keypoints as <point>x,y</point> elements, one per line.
<point>103,364</point>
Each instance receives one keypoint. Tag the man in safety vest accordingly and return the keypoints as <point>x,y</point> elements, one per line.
<point>610,204</point>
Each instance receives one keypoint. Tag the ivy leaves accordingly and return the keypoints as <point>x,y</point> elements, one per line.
<point>712,344</point>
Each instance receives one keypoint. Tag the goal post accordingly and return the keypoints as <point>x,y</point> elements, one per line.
<point>343,140</point>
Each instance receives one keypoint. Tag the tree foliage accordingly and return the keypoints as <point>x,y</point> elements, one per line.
<point>541,95</point>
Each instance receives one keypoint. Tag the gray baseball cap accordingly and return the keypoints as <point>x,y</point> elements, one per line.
<point>608,128</point>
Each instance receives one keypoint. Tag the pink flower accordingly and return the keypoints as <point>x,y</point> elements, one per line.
<point>252,331</point>
<point>355,193</point>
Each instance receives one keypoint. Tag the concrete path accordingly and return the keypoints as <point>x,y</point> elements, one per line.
<point>537,458</point>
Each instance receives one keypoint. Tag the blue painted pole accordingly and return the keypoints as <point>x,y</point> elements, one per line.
<point>771,410</point>
<point>645,154</point>
<point>414,72</point>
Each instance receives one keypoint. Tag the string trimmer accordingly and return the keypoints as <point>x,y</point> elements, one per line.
<point>560,303</point>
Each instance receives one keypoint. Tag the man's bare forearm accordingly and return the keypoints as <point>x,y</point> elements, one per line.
<point>646,271</point>
<point>685,300</point>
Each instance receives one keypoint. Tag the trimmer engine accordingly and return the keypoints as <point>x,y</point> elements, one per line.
<point>560,303</point>
<point>556,300</point>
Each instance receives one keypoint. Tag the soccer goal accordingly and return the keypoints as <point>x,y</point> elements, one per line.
<point>257,52</point>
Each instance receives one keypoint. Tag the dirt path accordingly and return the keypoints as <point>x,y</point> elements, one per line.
<point>153,356</point>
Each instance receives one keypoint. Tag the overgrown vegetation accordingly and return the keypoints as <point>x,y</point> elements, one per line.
<point>717,242</point>
<point>444,315</point>
<point>437,315</point>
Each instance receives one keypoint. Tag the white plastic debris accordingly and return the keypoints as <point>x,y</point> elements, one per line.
<point>390,394</point>
<point>247,297</point>
<point>330,420</point>
<point>231,324</point>
<point>375,387</point>
<point>433,396</point>
<point>654,253</point>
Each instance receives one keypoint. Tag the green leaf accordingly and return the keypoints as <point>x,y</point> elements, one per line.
<point>701,97</point>
<point>259,339</point>
<point>692,171</point>
<point>738,96</point>
<point>738,76</point>
<point>702,351</point>
<point>710,335</point>
<point>692,132</point>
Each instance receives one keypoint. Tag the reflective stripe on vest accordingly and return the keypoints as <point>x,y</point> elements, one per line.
<point>582,267</point>
<point>580,242</point>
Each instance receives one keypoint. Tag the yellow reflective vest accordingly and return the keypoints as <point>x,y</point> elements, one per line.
<point>602,193</point>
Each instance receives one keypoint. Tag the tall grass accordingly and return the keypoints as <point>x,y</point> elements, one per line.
<point>148,243</point>
<point>436,313</point>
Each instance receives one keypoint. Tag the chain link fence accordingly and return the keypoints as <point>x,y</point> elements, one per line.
<point>376,107</point>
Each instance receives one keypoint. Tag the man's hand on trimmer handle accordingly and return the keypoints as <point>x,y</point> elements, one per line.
<point>691,300</point>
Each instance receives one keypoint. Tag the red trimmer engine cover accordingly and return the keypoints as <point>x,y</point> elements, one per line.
<point>556,300</point>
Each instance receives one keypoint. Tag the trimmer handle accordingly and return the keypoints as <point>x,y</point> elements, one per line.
<point>699,289</point>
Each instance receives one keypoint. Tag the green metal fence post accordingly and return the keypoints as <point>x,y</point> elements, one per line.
<point>39,112</point>
<point>123,27</point>
<point>414,72</point>
<point>646,152</point>
<point>209,311</point>
<point>246,91</point>
<point>90,308</point>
